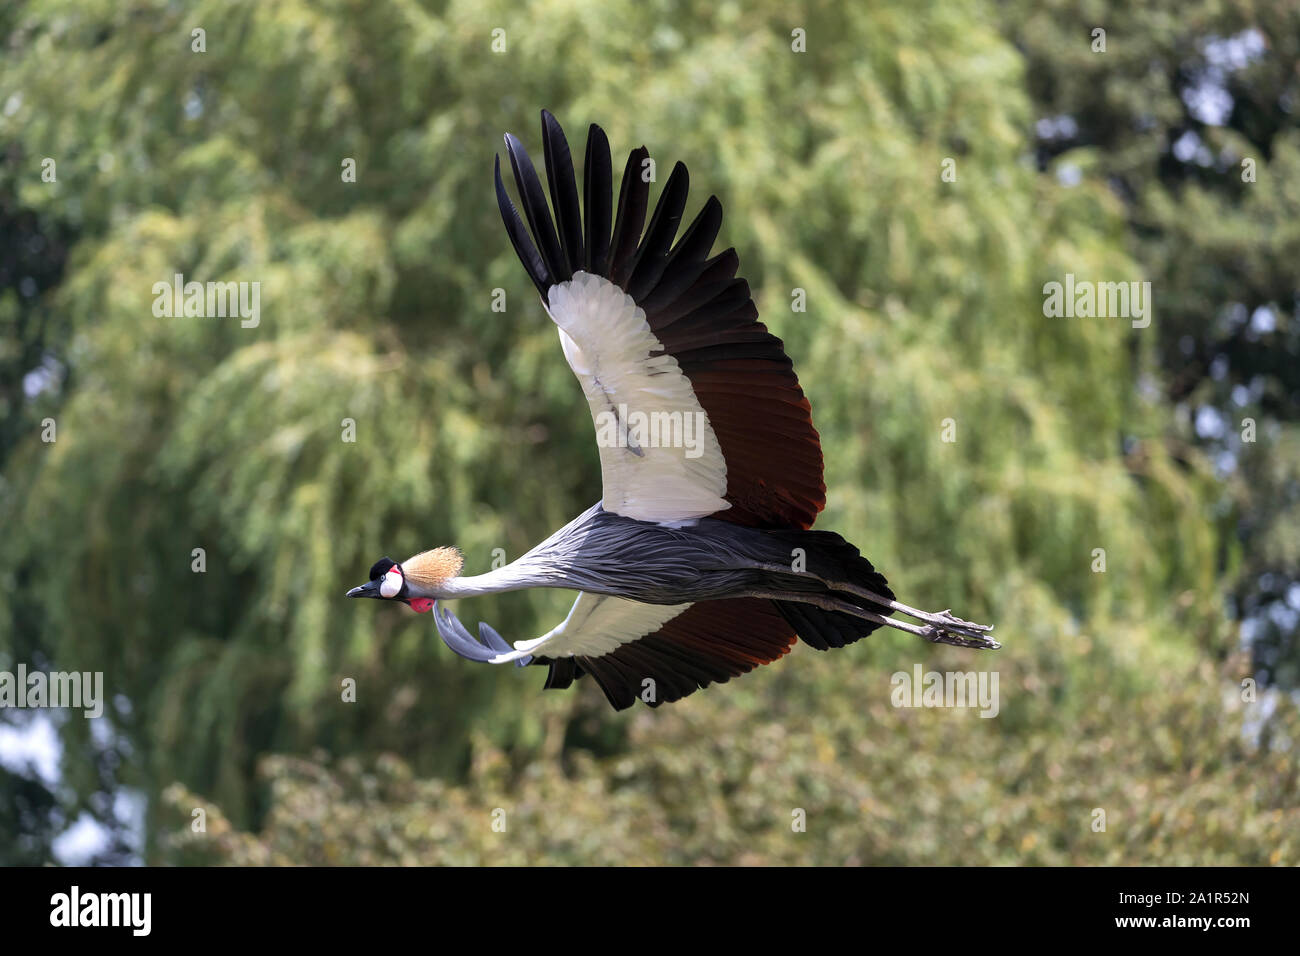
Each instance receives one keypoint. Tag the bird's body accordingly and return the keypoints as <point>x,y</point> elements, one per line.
<point>703,562</point>
<point>698,563</point>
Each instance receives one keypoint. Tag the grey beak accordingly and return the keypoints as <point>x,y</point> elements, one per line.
<point>368,590</point>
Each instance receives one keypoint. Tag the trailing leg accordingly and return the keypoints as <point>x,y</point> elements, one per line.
<point>938,629</point>
<point>944,621</point>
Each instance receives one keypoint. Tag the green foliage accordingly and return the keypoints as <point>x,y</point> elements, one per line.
<point>720,781</point>
<point>924,304</point>
<point>1190,116</point>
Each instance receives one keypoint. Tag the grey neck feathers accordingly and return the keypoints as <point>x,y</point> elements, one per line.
<point>558,562</point>
<point>512,577</point>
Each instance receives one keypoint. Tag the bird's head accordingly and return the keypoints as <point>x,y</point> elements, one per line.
<point>416,581</point>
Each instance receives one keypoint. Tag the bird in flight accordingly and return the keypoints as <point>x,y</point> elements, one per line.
<point>698,563</point>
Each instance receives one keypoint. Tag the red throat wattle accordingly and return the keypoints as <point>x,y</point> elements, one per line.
<point>421,605</point>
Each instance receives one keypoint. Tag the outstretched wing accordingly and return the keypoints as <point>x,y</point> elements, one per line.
<point>657,332</point>
<point>656,653</point>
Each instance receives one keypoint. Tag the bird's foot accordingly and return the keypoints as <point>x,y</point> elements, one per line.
<point>945,628</point>
<point>941,627</point>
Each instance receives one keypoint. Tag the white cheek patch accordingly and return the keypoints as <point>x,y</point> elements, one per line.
<point>391,584</point>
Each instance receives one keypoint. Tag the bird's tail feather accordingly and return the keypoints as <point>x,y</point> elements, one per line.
<point>825,556</point>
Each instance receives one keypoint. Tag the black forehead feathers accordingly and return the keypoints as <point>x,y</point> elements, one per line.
<point>380,567</point>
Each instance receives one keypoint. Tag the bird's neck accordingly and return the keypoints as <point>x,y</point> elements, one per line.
<point>509,578</point>
<point>552,564</point>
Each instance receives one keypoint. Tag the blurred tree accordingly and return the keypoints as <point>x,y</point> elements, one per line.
<point>924,307</point>
<point>1190,116</point>
<point>32,255</point>
<point>1142,779</point>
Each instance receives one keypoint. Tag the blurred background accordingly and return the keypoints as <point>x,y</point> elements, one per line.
<point>1160,690</point>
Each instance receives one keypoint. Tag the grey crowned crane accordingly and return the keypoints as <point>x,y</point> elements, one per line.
<point>697,564</point>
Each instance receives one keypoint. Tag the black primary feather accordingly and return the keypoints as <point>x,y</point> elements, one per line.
<point>652,257</point>
<point>598,199</point>
<point>564,192</point>
<point>688,260</point>
<point>524,247</point>
<point>633,200</point>
<point>536,212</point>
